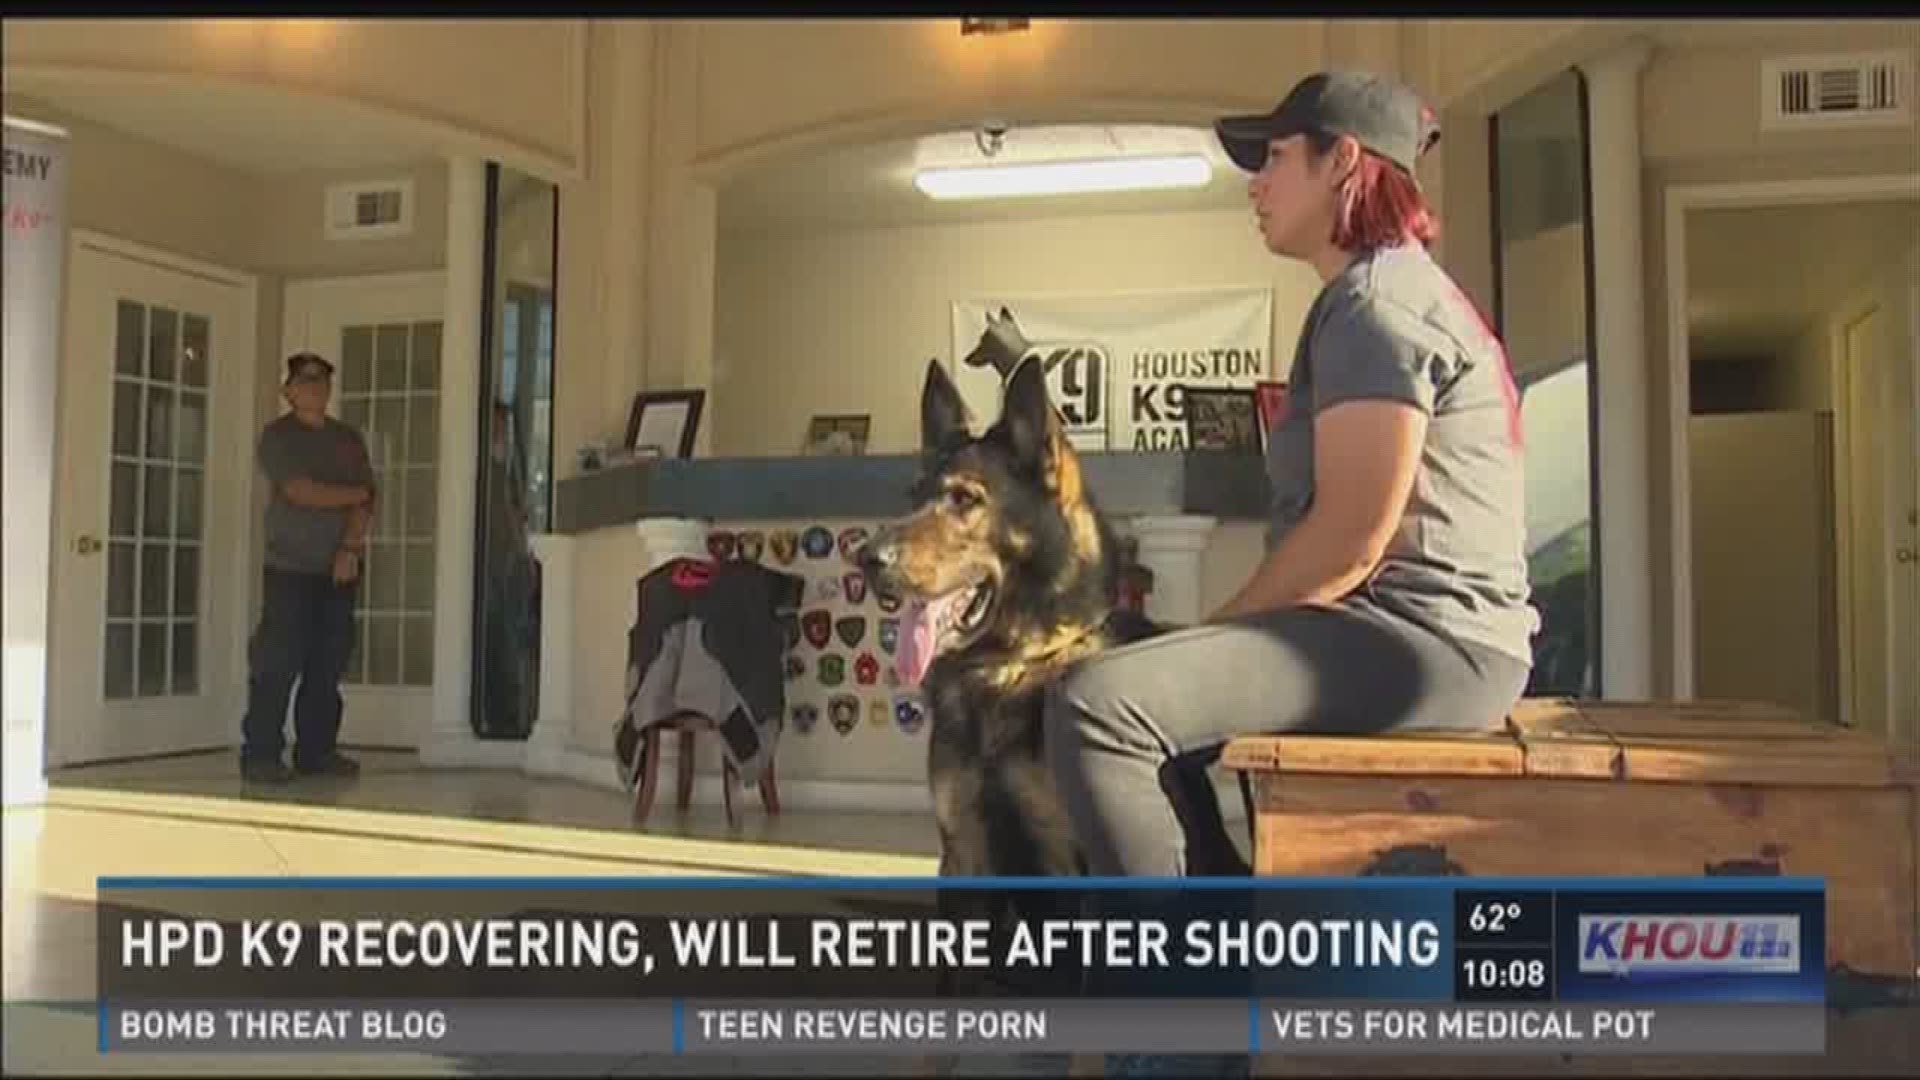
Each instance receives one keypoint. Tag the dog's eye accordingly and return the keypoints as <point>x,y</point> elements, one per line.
<point>960,498</point>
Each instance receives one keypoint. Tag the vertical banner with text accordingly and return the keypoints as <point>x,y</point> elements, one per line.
<point>35,220</point>
<point>1114,362</point>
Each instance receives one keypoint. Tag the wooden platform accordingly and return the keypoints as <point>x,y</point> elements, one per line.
<point>1609,789</point>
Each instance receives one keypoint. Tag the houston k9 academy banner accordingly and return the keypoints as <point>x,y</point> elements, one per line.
<point>1114,362</point>
<point>33,217</point>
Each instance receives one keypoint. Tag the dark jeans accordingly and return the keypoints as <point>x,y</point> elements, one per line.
<point>1131,732</point>
<point>305,635</point>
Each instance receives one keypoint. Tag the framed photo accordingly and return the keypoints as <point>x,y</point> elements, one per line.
<point>837,435</point>
<point>1272,399</point>
<point>662,423</point>
<point>1222,418</point>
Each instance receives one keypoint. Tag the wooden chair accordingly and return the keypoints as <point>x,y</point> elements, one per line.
<point>689,726</point>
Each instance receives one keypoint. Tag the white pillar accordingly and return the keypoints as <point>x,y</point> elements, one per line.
<point>450,741</point>
<point>1625,554</point>
<point>1173,546</point>
<point>553,729</point>
<point>35,276</point>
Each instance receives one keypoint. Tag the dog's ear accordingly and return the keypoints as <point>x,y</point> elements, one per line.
<point>1027,416</point>
<point>1036,436</point>
<point>943,415</point>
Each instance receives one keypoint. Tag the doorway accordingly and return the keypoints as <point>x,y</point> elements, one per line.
<point>1797,334</point>
<point>149,636</point>
<point>384,333</point>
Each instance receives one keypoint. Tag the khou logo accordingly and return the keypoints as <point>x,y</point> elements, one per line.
<point>1684,944</point>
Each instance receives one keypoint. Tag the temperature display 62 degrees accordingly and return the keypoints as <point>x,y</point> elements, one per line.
<point>1492,917</point>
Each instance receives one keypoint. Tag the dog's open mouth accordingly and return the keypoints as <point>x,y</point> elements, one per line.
<point>929,627</point>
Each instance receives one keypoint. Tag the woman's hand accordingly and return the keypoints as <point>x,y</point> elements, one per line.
<point>1366,454</point>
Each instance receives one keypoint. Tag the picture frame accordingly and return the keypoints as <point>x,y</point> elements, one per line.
<point>841,435</point>
<point>1222,418</point>
<point>663,422</point>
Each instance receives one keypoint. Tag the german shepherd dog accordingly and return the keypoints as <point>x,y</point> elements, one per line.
<point>1008,574</point>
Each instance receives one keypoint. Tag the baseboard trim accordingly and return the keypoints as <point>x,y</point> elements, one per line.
<point>598,770</point>
<point>453,751</point>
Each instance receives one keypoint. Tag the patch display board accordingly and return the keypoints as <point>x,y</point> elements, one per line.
<point>840,677</point>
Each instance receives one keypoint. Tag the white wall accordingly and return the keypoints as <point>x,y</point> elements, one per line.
<point>845,321</point>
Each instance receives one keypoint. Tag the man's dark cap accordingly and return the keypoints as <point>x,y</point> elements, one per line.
<point>308,364</point>
<point>1381,115</point>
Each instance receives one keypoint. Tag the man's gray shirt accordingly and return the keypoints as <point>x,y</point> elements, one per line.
<point>299,538</point>
<point>1394,326</point>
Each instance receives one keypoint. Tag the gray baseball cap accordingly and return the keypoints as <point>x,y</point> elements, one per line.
<point>1381,115</point>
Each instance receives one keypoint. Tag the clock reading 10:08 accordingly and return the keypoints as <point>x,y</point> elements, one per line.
<point>1504,973</point>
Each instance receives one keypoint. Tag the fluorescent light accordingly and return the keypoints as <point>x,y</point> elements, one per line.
<point>1014,180</point>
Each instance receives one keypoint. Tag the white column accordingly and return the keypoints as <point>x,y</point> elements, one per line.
<point>450,741</point>
<point>35,265</point>
<point>1173,546</point>
<point>1625,554</point>
<point>553,728</point>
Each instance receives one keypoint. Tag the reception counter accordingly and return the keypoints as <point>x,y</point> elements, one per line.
<point>1198,519</point>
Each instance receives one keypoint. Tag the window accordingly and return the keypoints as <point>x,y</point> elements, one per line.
<point>155,525</point>
<point>390,391</point>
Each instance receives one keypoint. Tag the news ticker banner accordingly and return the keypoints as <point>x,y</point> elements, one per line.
<point>712,965</point>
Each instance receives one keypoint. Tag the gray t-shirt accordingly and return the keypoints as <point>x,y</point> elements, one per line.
<point>1394,326</point>
<point>301,538</point>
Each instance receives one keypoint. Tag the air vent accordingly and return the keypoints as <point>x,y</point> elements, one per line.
<point>370,210</point>
<point>1859,90</point>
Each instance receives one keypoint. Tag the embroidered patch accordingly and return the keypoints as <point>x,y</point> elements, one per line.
<point>752,544</point>
<point>909,713</point>
<point>785,545</point>
<point>852,539</point>
<point>843,712</point>
<point>817,625</point>
<point>826,590</point>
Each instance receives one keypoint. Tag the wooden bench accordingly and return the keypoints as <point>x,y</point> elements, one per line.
<point>1610,789</point>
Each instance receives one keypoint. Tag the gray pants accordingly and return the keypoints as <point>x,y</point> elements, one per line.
<point>1131,732</point>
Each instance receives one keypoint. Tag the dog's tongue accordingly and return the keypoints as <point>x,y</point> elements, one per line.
<point>921,627</point>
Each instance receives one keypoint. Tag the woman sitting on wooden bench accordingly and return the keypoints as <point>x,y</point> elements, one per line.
<point>1394,590</point>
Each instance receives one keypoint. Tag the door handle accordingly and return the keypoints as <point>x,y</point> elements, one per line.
<point>1906,555</point>
<point>87,544</point>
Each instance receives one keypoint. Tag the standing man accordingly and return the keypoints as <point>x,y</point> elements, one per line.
<point>318,513</point>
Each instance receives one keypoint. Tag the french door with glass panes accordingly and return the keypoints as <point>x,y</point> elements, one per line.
<point>148,623</point>
<point>382,333</point>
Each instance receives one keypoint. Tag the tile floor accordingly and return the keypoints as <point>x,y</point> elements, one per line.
<point>190,815</point>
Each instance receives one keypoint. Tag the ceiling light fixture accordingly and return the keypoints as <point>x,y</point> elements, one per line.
<point>1016,180</point>
<point>991,26</point>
